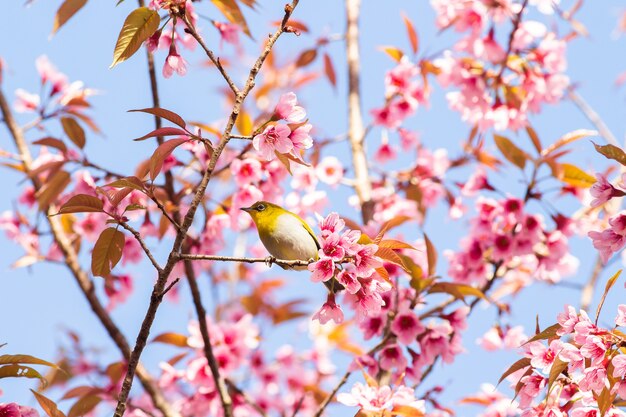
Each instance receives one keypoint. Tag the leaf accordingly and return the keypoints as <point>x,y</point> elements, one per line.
<point>20,371</point>
<point>391,224</point>
<point>17,359</point>
<point>174,339</point>
<point>117,198</point>
<point>232,12</point>
<point>139,25</point>
<point>395,53</point>
<point>107,252</point>
<point>162,152</point>
<point>390,256</point>
<point>80,391</point>
<point>510,151</point>
<point>48,405</point>
<point>73,131</point>
<point>163,114</point>
<point>607,288</point>
<point>611,152</point>
<point>52,142</point>
<point>52,188</point>
<point>406,411</point>
<point>568,138</point>
<point>547,333</point>
<point>329,70</point>
<point>306,57</point>
<point>534,138</point>
<point>67,10</point>
<point>458,291</point>
<point>558,366</point>
<point>605,400</point>
<point>410,29</point>
<point>82,203</point>
<point>284,160</point>
<point>520,364</point>
<point>132,182</point>
<point>163,131</point>
<point>84,405</point>
<point>572,175</point>
<point>394,244</point>
<point>431,255</point>
<point>244,123</point>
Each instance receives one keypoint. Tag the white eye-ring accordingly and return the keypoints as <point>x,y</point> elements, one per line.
<point>260,207</point>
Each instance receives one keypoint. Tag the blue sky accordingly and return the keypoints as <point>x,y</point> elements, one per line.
<point>36,304</point>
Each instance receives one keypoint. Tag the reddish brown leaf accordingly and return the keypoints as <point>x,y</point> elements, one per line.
<point>547,333</point>
<point>510,151</point>
<point>66,11</point>
<point>611,152</point>
<point>119,196</point>
<point>431,254</point>
<point>84,406</point>
<point>329,70</point>
<point>131,182</point>
<point>534,138</point>
<point>80,391</point>
<point>163,131</point>
<point>48,406</point>
<point>162,152</point>
<point>82,203</point>
<point>163,114</point>
<point>520,364</point>
<point>107,252</point>
<point>52,188</point>
<point>73,131</point>
<point>558,366</point>
<point>306,57</point>
<point>410,29</point>
<point>52,143</point>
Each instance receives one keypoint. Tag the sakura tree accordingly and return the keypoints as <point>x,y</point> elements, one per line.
<point>439,243</point>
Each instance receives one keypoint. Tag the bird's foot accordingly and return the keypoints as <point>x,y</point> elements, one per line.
<point>269,261</point>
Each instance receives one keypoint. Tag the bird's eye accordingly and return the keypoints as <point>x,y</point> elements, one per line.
<point>260,207</point>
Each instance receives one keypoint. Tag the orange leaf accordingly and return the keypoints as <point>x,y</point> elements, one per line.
<point>48,405</point>
<point>572,175</point>
<point>107,252</point>
<point>52,142</point>
<point>534,138</point>
<point>410,29</point>
<point>395,53</point>
<point>65,13</point>
<point>84,405</point>
<point>431,255</point>
<point>174,339</point>
<point>306,57</point>
<point>82,203</point>
<point>510,151</point>
<point>231,11</point>
<point>73,131</point>
<point>329,70</point>
<point>607,288</point>
<point>139,25</point>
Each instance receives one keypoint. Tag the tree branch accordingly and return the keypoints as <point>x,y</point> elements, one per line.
<point>356,132</point>
<point>173,258</point>
<point>143,245</point>
<point>81,277</point>
<point>268,260</point>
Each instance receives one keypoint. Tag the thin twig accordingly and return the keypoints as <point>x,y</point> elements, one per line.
<point>268,260</point>
<point>143,245</point>
<point>216,61</point>
<point>169,287</point>
<point>249,400</point>
<point>173,258</point>
<point>243,137</point>
<point>356,132</point>
<point>80,275</point>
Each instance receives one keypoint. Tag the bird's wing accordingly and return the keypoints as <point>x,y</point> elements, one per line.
<point>308,229</point>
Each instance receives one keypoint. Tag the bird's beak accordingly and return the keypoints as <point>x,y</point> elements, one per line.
<point>248,209</point>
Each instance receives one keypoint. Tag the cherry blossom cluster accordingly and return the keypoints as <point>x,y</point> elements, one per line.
<point>498,85</point>
<point>58,96</point>
<point>612,239</point>
<point>379,398</point>
<point>346,263</point>
<point>590,368</point>
<point>290,137</point>
<point>278,385</point>
<point>504,236</point>
<point>16,410</point>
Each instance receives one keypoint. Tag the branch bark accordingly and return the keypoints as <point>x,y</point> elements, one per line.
<point>173,258</point>
<point>356,131</point>
<point>80,275</point>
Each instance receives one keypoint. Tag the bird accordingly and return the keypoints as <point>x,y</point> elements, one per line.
<point>286,236</point>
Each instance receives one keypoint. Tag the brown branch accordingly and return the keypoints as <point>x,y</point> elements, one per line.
<point>216,61</point>
<point>250,401</point>
<point>82,278</point>
<point>159,286</point>
<point>356,132</point>
<point>593,117</point>
<point>143,245</point>
<point>269,260</point>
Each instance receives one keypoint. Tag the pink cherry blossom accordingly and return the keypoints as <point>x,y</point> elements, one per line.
<point>329,170</point>
<point>275,138</point>
<point>620,319</point>
<point>174,63</point>
<point>323,269</point>
<point>329,311</point>
<point>391,357</point>
<point>287,109</point>
<point>229,32</point>
<point>406,326</point>
<point>26,102</point>
<point>619,366</point>
<point>602,191</point>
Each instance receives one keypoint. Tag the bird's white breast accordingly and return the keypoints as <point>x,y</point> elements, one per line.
<point>290,240</point>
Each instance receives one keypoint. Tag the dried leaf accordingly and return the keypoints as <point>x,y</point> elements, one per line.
<point>568,138</point>
<point>82,203</point>
<point>306,57</point>
<point>48,405</point>
<point>140,24</point>
<point>107,252</point>
<point>52,143</point>
<point>174,339</point>
<point>162,152</point>
<point>510,151</point>
<point>84,406</point>
<point>163,131</point>
<point>163,114</point>
<point>612,152</point>
<point>73,131</point>
<point>410,29</point>
<point>520,364</point>
<point>231,11</point>
<point>52,188</point>
<point>67,10</point>
<point>607,288</point>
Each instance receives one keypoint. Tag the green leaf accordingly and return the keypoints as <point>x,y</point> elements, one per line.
<point>65,13</point>
<point>140,24</point>
<point>107,252</point>
<point>510,151</point>
<point>48,405</point>
<point>73,131</point>
<point>520,364</point>
<point>612,152</point>
<point>82,203</point>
